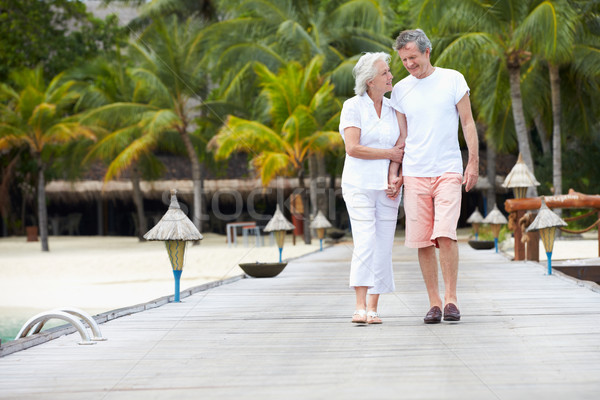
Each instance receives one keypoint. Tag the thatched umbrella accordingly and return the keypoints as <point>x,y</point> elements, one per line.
<point>520,178</point>
<point>320,223</point>
<point>496,219</point>
<point>279,224</point>
<point>546,222</point>
<point>475,219</point>
<point>176,229</point>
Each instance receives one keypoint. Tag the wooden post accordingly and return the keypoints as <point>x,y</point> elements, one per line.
<point>533,246</point>
<point>519,246</point>
<point>571,200</point>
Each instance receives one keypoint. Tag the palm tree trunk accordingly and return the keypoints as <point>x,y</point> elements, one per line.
<point>519,118</point>
<point>42,210</point>
<point>138,200</point>
<point>306,206</point>
<point>542,132</point>
<point>491,174</point>
<point>5,203</point>
<point>556,134</point>
<point>318,184</point>
<point>197,217</point>
<point>313,171</point>
<point>323,195</point>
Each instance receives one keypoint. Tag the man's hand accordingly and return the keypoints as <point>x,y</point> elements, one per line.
<point>471,174</point>
<point>394,186</point>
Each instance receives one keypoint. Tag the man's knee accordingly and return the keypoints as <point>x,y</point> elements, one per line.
<point>446,242</point>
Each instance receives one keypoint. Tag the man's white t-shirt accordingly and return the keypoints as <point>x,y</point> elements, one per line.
<point>375,132</point>
<point>432,118</point>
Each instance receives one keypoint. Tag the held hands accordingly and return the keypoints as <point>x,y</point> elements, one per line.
<point>471,174</point>
<point>397,153</point>
<point>394,186</point>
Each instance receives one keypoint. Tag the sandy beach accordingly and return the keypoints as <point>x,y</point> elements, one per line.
<point>98,274</point>
<point>112,272</point>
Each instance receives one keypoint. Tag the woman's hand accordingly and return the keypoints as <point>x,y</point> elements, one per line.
<point>397,153</point>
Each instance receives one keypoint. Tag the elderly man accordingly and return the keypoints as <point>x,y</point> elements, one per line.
<point>429,103</point>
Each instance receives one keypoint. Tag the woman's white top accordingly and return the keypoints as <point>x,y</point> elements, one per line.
<point>375,132</point>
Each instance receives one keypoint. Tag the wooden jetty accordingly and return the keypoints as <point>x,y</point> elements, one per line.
<point>523,335</point>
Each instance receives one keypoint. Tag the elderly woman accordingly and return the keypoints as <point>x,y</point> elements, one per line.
<point>370,131</point>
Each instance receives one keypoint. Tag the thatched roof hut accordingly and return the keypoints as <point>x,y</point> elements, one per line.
<point>92,190</point>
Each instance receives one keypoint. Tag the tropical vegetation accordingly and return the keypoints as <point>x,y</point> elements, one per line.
<point>266,78</point>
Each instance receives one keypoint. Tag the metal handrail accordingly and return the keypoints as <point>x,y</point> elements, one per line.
<point>68,314</point>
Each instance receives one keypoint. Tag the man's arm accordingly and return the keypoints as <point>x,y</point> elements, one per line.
<point>395,169</point>
<point>470,133</point>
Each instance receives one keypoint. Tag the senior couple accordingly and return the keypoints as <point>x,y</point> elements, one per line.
<point>409,141</point>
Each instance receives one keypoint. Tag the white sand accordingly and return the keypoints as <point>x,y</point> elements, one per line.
<point>105,273</point>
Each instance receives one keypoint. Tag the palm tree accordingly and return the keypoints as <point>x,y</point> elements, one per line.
<point>551,31</point>
<point>169,85</point>
<point>274,32</point>
<point>35,116</point>
<point>496,38</point>
<point>303,112</point>
<point>111,82</point>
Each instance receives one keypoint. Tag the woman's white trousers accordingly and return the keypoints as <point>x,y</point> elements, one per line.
<point>373,218</point>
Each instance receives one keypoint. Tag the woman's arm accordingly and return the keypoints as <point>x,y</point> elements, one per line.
<point>356,150</point>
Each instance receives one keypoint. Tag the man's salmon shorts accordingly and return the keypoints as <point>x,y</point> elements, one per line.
<point>432,208</point>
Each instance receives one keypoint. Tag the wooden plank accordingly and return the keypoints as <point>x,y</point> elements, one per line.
<point>523,334</point>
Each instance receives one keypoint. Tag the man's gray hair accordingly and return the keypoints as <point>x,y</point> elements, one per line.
<point>417,36</point>
<point>365,70</point>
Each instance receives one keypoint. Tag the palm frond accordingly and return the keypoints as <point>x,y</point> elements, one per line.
<point>300,124</point>
<point>64,132</point>
<point>272,164</point>
<point>549,30</point>
<point>149,86</point>
<point>115,114</point>
<point>373,15</point>
<point>323,141</point>
<point>129,156</point>
<point>109,146</point>
<point>586,59</point>
<point>156,122</point>
<point>246,136</point>
<point>243,53</point>
<point>42,117</point>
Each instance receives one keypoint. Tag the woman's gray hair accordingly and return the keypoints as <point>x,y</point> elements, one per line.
<point>417,36</point>
<point>365,70</point>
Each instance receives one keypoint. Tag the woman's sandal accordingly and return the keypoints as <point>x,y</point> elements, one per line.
<point>359,317</point>
<point>373,318</point>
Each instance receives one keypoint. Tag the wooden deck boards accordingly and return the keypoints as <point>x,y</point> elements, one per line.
<point>524,335</point>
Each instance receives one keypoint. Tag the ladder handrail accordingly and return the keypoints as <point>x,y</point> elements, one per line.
<point>69,314</point>
<point>41,319</point>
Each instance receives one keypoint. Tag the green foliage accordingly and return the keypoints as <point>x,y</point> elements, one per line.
<point>486,233</point>
<point>54,33</point>
<point>298,124</point>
